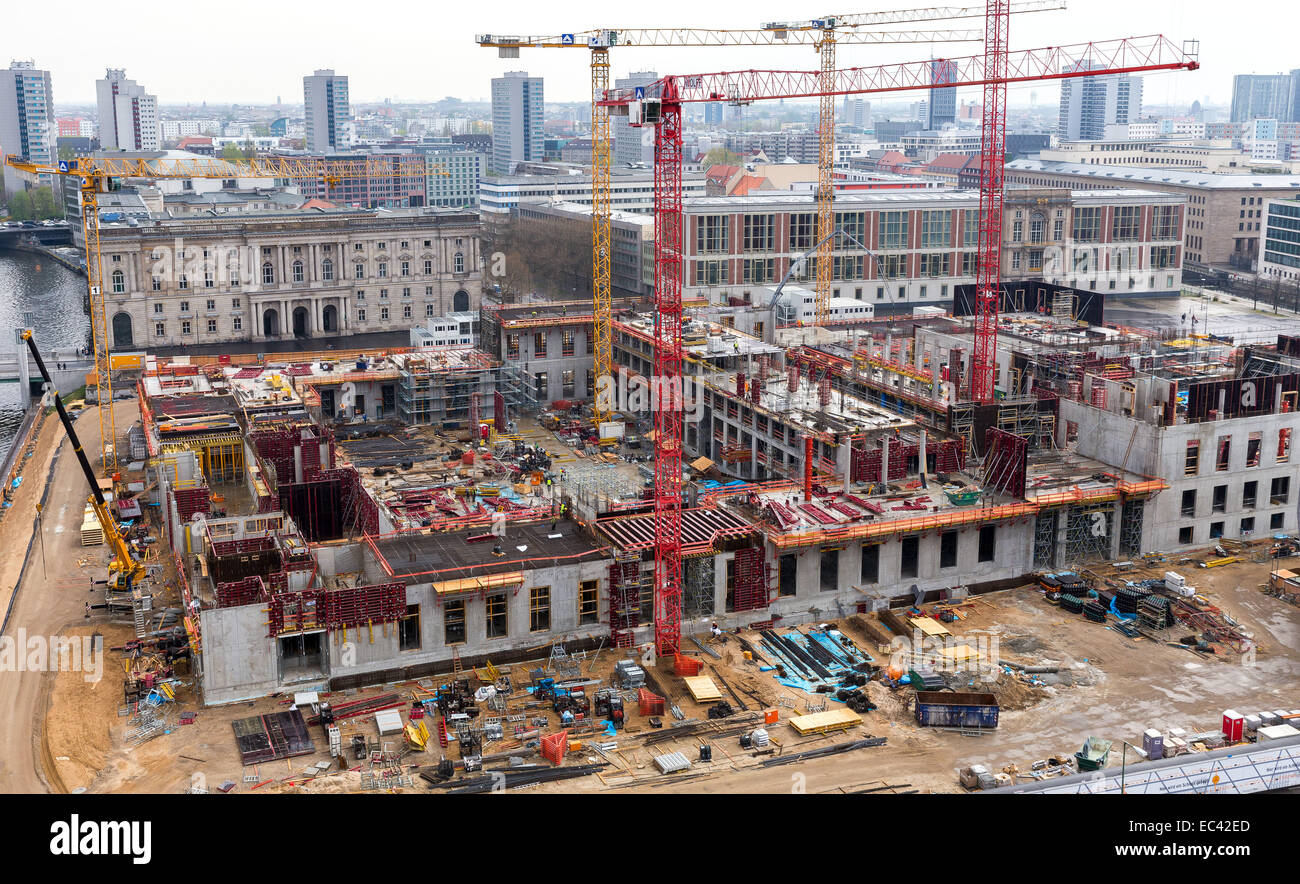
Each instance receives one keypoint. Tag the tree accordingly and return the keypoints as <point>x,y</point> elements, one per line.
<point>721,155</point>
<point>20,207</point>
<point>43,204</point>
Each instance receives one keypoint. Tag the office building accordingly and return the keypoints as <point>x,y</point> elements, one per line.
<point>128,114</point>
<point>27,126</point>
<point>516,121</point>
<point>943,99</point>
<point>1224,211</point>
<point>1090,104</point>
<point>325,105</point>
<point>631,144</point>
<point>1270,96</point>
<point>855,112</point>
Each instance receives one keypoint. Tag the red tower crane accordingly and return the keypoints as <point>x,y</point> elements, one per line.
<point>660,105</point>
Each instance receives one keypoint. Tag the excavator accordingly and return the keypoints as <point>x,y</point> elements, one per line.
<point>125,570</point>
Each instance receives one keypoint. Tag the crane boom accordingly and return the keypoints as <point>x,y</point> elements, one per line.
<point>1129,55</point>
<point>125,564</point>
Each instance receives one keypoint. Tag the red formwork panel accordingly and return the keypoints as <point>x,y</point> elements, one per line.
<point>554,747</point>
<point>190,501</point>
<point>236,547</point>
<point>241,592</point>
<point>686,666</point>
<point>360,605</point>
<point>751,584</point>
<point>649,703</point>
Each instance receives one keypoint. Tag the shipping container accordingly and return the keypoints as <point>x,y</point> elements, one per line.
<point>953,709</point>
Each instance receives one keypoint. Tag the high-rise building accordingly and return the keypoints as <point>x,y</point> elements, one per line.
<point>630,144</point>
<point>713,114</point>
<point>1090,104</point>
<point>325,101</point>
<point>1267,96</point>
<point>943,99</point>
<point>27,126</point>
<point>856,112</point>
<point>128,114</point>
<point>516,121</point>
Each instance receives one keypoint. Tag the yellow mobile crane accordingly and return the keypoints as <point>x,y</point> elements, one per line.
<point>104,174</point>
<point>125,571</point>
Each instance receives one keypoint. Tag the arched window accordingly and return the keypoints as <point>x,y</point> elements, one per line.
<point>268,274</point>
<point>297,271</point>
<point>458,263</point>
<point>327,270</point>
<point>460,301</point>
<point>119,282</point>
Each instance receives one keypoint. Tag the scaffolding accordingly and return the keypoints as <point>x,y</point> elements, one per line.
<point>1130,528</point>
<point>1045,528</point>
<point>599,485</point>
<point>430,394</point>
<point>519,389</point>
<point>624,599</point>
<point>697,588</point>
<point>1087,533</point>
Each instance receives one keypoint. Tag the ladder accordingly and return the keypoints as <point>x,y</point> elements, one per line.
<point>456,668</point>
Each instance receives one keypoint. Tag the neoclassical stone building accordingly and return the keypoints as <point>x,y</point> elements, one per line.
<point>274,276</point>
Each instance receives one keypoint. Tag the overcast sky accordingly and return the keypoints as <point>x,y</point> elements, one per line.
<point>256,52</point>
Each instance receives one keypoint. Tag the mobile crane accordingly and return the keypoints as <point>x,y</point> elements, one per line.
<point>125,570</point>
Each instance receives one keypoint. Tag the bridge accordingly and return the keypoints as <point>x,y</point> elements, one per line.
<point>56,235</point>
<point>67,379</point>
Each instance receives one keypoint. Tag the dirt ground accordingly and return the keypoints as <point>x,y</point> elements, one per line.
<point>1107,685</point>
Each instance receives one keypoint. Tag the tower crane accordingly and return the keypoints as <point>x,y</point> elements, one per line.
<point>660,105</point>
<point>104,174</point>
<point>821,34</point>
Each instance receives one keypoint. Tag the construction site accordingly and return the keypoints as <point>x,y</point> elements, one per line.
<point>664,545</point>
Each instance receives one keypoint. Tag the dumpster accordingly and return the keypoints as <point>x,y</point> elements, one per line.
<point>956,709</point>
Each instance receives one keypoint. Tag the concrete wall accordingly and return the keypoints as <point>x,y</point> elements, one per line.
<point>1013,557</point>
<point>239,658</point>
<point>382,651</point>
<point>1162,452</point>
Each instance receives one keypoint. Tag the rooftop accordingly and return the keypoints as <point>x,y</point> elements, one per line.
<point>419,557</point>
<point>1137,175</point>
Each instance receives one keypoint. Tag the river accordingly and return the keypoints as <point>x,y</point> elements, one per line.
<point>53,294</point>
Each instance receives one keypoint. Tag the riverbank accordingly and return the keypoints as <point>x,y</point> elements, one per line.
<point>53,253</point>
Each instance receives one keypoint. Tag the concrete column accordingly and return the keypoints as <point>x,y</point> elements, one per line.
<point>922,453</point>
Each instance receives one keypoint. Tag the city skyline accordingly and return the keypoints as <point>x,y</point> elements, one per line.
<point>464,70</point>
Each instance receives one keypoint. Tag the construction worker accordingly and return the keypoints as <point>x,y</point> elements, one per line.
<point>716,630</point>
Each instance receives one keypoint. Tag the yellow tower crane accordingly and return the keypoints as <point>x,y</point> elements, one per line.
<point>104,174</point>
